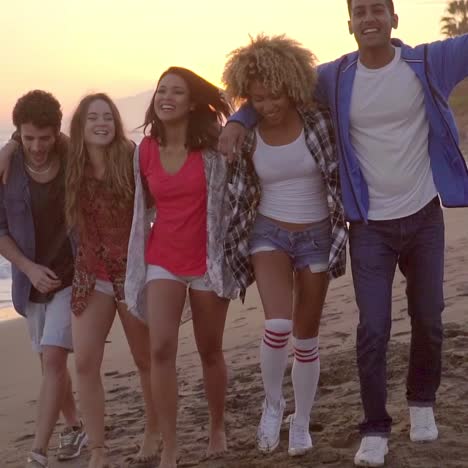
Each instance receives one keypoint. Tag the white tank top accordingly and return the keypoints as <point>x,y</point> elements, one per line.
<point>293,189</point>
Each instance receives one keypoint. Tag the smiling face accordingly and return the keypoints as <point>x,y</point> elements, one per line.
<point>99,129</point>
<point>274,108</point>
<point>372,23</point>
<point>38,143</point>
<point>172,101</point>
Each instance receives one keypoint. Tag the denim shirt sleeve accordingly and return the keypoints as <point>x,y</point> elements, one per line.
<point>3,218</point>
<point>448,61</point>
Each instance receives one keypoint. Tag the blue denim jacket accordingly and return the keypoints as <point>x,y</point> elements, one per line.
<point>440,66</point>
<point>16,221</point>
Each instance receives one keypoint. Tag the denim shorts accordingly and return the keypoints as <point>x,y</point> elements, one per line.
<point>309,248</point>
<point>50,323</point>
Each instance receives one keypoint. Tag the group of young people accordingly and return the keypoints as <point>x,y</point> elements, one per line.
<point>94,224</point>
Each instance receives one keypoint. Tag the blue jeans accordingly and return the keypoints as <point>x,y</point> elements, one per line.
<point>416,244</point>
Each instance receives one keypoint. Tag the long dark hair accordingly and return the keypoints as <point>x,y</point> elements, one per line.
<point>209,111</point>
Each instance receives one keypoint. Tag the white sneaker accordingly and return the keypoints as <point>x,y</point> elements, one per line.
<point>372,451</point>
<point>423,425</point>
<point>300,441</point>
<point>268,432</point>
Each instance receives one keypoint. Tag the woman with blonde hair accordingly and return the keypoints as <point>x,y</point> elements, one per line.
<point>179,172</point>
<point>99,207</point>
<point>286,178</point>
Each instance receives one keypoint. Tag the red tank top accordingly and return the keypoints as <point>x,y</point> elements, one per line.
<point>178,237</point>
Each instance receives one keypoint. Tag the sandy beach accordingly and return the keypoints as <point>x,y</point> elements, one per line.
<point>337,410</point>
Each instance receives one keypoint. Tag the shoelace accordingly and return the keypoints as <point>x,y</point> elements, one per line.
<point>423,419</point>
<point>299,435</point>
<point>269,421</point>
<point>369,445</point>
<point>68,436</point>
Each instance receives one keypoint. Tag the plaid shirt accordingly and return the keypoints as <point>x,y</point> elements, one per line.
<point>244,192</point>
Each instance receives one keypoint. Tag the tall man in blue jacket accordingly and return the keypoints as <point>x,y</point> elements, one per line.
<point>399,156</point>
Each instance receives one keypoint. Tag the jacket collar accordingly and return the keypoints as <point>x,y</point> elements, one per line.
<point>407,53</point>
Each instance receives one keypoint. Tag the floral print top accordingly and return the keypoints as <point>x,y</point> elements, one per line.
<point>103,235</point>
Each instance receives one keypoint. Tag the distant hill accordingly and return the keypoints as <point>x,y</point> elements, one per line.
<point>459,104</point>
<point>133,110</point>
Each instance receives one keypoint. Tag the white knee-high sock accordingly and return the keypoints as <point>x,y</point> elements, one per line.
<point>305,377</point>
<point>274,357</point>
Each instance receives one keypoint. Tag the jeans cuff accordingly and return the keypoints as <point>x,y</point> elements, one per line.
<point>384,435</point>
<point>421,404</point>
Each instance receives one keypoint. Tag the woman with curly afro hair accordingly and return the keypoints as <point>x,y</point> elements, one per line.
<point>285,190</point>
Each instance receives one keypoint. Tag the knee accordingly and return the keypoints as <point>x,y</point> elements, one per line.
<point>163,353</point>
<point>211,356</point>
<point>373,336</point>
<point>142,361</point>
<point>86,365</point>
<point>55,364</point>
<point>429,328</point>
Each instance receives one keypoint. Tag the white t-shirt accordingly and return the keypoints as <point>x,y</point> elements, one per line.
<point>389,132</point>
<point>293,189</point>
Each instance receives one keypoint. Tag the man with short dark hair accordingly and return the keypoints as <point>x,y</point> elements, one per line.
<point>399,156</point>
<point>34,238</point>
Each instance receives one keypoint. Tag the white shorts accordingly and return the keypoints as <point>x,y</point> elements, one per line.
<point>50,323</point>
<point>105,287</point>
<point>155,272</point>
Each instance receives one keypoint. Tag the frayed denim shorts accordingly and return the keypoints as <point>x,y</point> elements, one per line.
<point>309,248</point>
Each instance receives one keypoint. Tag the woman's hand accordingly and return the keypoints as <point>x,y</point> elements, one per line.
<point>231,139</point>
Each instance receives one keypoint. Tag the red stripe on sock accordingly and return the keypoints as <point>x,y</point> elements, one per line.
<point>283,340</point>
<point>274,346</point>
<point>306,360</point>
<point>305,352</point>
<point>276,334</point>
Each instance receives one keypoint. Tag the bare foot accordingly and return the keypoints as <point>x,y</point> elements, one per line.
<point>98,458</point>
<point>217,445</point>
<point>168,459</point>
<point>150,445</point>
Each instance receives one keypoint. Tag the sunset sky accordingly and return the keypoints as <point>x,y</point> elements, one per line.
<point>72,47</point>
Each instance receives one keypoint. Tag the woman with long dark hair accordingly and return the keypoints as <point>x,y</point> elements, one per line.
<point>178,171</point>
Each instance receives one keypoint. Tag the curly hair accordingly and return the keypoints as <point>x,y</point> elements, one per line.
<point>279,63</point>
<point>39,108</point>
<point>119,163</point>
<point>210,108</point>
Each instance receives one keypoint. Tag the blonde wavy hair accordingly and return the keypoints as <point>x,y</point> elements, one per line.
<point>119,166</point>
<point>279,63</point>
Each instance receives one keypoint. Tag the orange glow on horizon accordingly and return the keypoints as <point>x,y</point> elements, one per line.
<point>121,46</point>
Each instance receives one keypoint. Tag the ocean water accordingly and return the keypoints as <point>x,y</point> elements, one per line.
<point>5,283</point>
<point>5,269</point>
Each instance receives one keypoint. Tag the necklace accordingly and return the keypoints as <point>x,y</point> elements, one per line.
<point>35,171</point>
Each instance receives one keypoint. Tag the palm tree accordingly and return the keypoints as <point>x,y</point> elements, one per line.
<point>455,21</point>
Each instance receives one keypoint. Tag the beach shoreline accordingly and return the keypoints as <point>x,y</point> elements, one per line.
<point>336,412</point>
